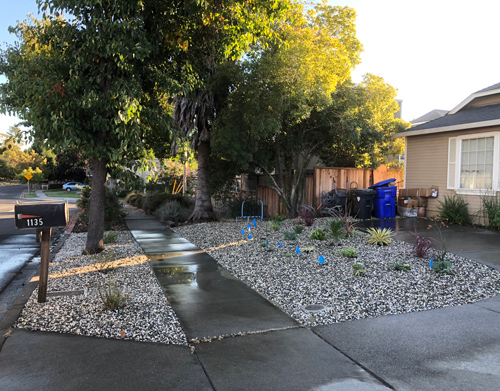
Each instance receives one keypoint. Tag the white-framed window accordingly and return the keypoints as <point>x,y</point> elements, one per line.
<point>473,163</point>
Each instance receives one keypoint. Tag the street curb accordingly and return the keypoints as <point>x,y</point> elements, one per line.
<point>15,310</point>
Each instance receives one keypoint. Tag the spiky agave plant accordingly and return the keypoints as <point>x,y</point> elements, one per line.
<point>382,237</point>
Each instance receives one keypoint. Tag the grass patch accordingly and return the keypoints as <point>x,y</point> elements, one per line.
<point>30,195</point>
<point>63,194</point>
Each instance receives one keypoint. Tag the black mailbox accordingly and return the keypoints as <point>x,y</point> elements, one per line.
<point>41,215</point>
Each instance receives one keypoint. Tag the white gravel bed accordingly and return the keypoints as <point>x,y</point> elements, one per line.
<point>293,281</point>
<point>147,315</point>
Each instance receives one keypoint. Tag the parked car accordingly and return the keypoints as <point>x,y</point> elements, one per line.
<point>75,186</point>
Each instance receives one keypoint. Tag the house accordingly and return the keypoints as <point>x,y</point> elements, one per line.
<point>431,115</point>
<point>458,152</point>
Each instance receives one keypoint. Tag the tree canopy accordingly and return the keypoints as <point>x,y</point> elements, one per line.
<point>267,121</point>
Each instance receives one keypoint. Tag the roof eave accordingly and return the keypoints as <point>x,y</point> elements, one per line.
<point>473,96</point>
<point>451,128</point>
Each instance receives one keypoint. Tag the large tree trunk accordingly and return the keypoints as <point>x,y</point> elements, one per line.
<point>97,204</point>
<point>203,210</point>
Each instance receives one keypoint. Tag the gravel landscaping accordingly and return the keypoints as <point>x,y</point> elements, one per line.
<point>78,308</point>
<point>293,281</point>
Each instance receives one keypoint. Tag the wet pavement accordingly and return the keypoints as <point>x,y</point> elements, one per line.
<point>454,348</point>
<point>207,299</point>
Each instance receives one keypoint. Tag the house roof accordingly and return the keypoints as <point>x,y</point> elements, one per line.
<point>431,115</point>
<point>462,116</point>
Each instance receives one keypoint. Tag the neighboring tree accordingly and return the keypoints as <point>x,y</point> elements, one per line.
<point>226,29</point>
<point>266,124</point>
<point>83,82</point>
<point>36,174</point>
<point>360,123</point>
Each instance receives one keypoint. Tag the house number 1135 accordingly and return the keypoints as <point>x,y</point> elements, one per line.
<point>34,222</point>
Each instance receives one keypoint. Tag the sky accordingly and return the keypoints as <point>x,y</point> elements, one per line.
<point>435,53</point>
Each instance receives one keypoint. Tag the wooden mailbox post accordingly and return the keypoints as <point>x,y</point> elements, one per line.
<point>42,217</point>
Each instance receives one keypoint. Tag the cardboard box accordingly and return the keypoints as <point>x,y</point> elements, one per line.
<point>407,212</point>
<point>420,192</point>
<point>408,192</point>
<point>407,202</point>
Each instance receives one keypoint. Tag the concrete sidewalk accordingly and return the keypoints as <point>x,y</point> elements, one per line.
<point>454,348</point>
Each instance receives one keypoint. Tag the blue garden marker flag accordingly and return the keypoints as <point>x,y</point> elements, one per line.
<point>298,250</point>
<point>321,259</point>
<point>249,226</point>
<point>430,263</point>
<point>265,245</point>
<point>280,244</point>
<point>250,237</point>
<point>254,223</point>
<point>243,232</point>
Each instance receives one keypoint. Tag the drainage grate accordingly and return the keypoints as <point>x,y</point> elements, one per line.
<point>315,308</point>
<point>65,293</point>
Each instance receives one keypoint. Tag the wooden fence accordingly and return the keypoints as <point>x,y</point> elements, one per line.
<point>322,182</point>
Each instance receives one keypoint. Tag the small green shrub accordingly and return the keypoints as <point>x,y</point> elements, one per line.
<point>298,229</point>
<point>113,210</point>
<point>491,206</point>
<point>381,237</point>
<point>359,269</point>
<point>112,296</point>
<point>274,225</point>
<point>349,252</point>
<point>336,229</point>
<point>454,210</point>
<point>171,211</point>
<point>289,235</point>
<point>110,237</point>
<point>399,266</point>
<point>319,234</point>
<point>442,266</point>
<point>155,200</point>
<point>279,218</point>
<point>103,261</point>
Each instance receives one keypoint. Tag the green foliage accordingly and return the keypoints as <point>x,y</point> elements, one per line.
<point>298,229</point>
<point>269,127</point>
<point>336,229</point>
<point>491,206</point>
<point>112,296</point>
<point>454,210</point>
<point>359,269</point>
<point>319,234</point>
<point>442,265</point>
<point>399,266</point>
<point>172,211</point>
<point>381,237</point>
<point>113,210</point>
<point>110,237</point>
<point>289,235</point>
<point>279,218</point>
<point>103,261</point>
<point>274,225</point>
<point>155,200</point>
<point>36,173</point>
<point>359,124</point>
<point>349,252</point>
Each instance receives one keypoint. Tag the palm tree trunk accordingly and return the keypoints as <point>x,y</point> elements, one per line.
<point>203,206</point>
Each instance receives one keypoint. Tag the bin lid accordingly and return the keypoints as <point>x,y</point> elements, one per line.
<point>383,183</point>
<point>363,191</point>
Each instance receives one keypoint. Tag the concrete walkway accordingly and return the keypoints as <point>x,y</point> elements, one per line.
<point>454,348</point>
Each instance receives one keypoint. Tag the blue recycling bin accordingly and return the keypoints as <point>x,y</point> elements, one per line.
<point>384,202</point>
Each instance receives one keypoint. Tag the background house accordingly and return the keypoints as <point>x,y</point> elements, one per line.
<point>458,152</point>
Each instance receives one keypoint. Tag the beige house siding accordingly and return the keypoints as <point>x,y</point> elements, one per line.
<point>484,101</point>
<point>427,165</point>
